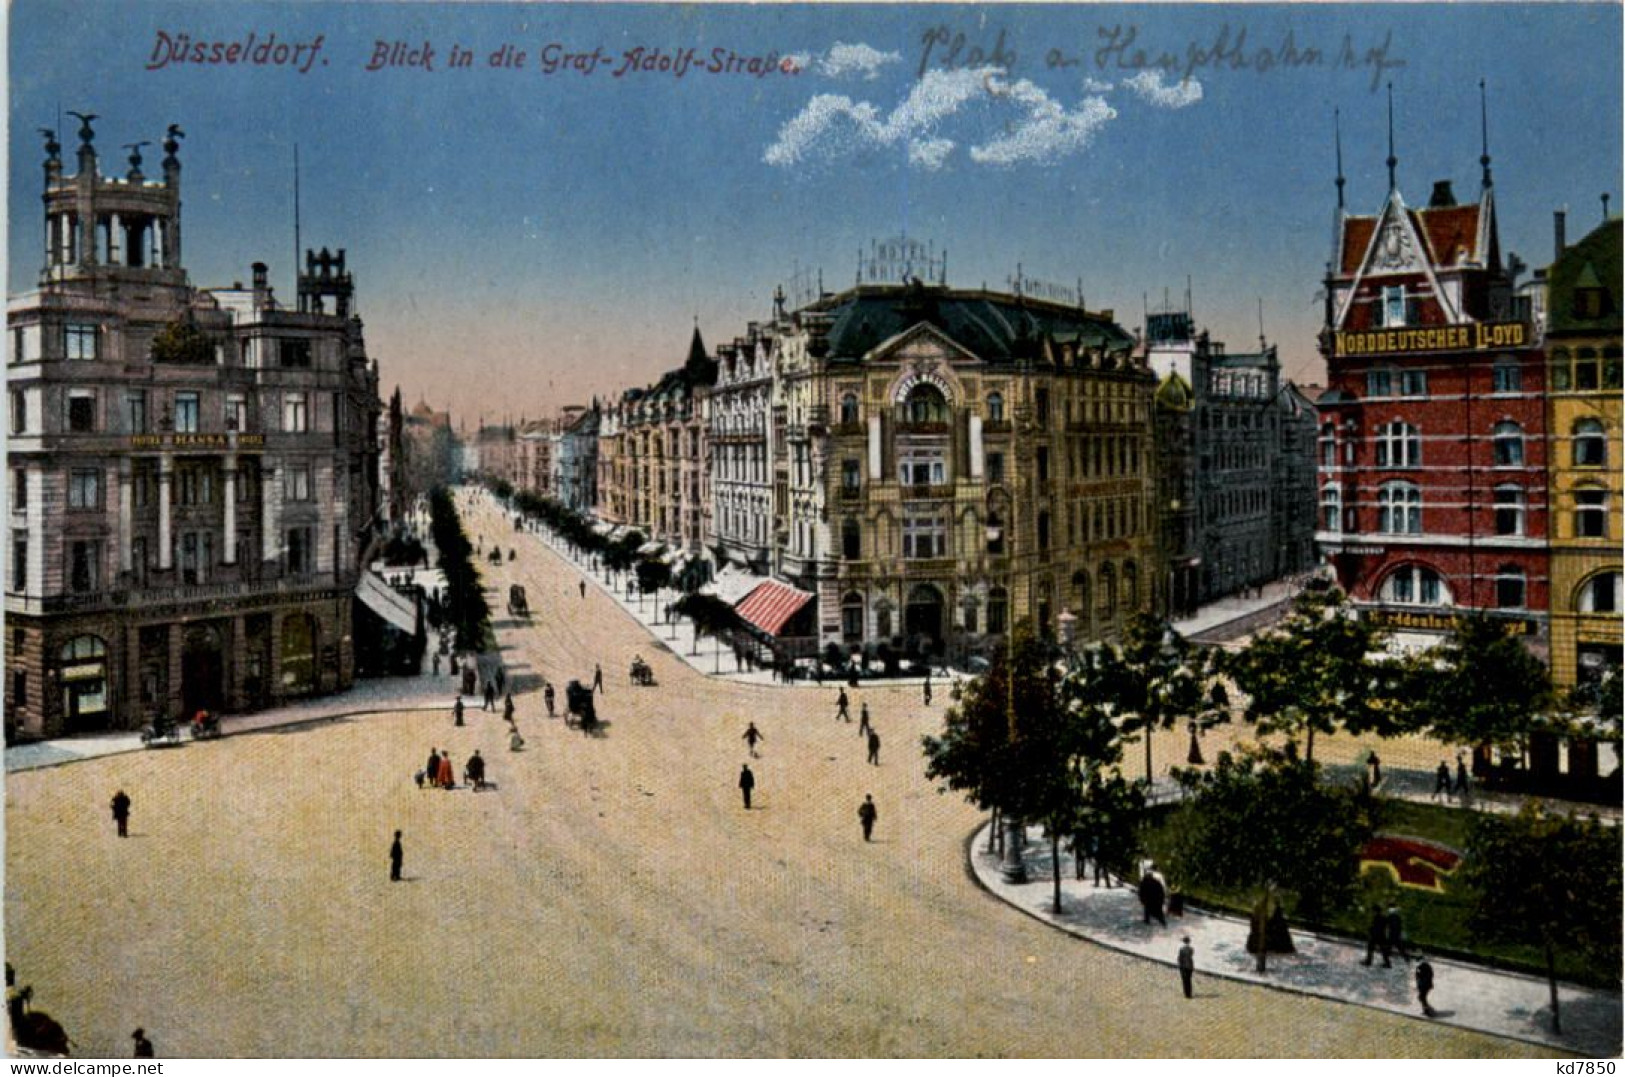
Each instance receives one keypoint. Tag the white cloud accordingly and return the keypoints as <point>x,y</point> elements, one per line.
<point>1149,85</point>
<point>839,123</point>
<point>860,60</point>
<point>929,153</point>
<point>1048,132</point>
<point>1092,85</point>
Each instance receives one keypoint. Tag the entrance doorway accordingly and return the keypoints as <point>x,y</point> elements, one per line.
<point>202,671</point>
<point>298,654</point>
<point>922,620</point>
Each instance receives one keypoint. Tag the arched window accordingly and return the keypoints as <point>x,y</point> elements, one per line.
<point>995,534</point>
<point>1399,509</point>
<point>1562,376</point>
<point>1399,444</point>
<point>1591,512</point>
<point>1415,585</point>
<point>1508,444</point>
<point>1509,510</point>
<point>1331,508</point>
<point>995,407</point>
<point>852,617</point>
<point>998,610</point>
<point>81,648</point>
<point>1509,588</point>
<point>925,404</point>
<point>1599,594</point>
<point>1590,443</point>
<point>849,408</point>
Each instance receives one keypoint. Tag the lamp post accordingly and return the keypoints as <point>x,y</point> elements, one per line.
<point>1014,868</point>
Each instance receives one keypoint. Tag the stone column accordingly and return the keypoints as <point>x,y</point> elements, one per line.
<point>237,648</point>
<point>875,464</point>
<point>175,645</point>
<point>166,481</point>
<point>977,450</point>
<point>126,510</point>
<point>230,493</point>
<point>270,514</point>
<point>115,240</point>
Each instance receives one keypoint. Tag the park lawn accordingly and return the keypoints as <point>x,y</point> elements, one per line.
<point>1436,922</point>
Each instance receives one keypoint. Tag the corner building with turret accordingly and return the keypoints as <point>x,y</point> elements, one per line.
<point>192,474</point>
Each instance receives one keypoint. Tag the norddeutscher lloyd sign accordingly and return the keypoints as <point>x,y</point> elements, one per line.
<point>1476,337</point>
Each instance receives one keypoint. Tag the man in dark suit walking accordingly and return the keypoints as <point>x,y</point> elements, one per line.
<point>747,782</point>
<point>396,855</point>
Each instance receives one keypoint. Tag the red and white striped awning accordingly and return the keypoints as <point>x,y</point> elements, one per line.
<point>771,604</point>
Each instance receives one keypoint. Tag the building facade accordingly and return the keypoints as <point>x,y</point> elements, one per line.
<point>1583,413</point>
<point>1433,498</point>
<point>738,425</point>
<point>193,473</point>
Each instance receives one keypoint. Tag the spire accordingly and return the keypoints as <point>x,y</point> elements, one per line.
<point>1484,129</point>
<point>1337,129</point>
<point>696,346</point>
<point>1392,160</point>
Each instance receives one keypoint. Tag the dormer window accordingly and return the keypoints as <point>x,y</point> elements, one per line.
<point>1393,307</point>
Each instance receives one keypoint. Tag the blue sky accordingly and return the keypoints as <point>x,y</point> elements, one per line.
<point>521,240</point>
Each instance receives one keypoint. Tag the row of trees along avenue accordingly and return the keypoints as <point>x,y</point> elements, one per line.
<point>1041,737</point>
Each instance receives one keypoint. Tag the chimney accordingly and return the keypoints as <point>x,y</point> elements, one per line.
<point>1443,195</point>
<point>1559,227</point>
<point>261,279</point>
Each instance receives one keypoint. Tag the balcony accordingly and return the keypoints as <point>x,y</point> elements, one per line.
<point>926,492</point>
<point>851,493</point>
<point>922,428</point>
<point>914,567</point>
<point>181,594</point>
<point>849,430</point>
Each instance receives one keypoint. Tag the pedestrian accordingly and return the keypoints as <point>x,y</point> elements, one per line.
<point>1424,985</point>
<point>457,711</point>
<point>516,743</point>
<point>1376,938</point>
<point>448,778</point>
<point>475,771</point>
<point>507,707</point>
<point>842,714</point>
<point>1152,893</point>
<point>548,697</point>
<point>752,736</point>
<point>598,679</point>
<point>747,782</point>
<point>1396,936</point>
<point>583,586</point>
<point>874,747</point>
<point>396,855</point>
<point>1461,775</point>
<point>927,689</point>
<point>121,813</point>
<point>436,664</point>
<point>490,697</point>
<point>143,1046</point>
<point>431,769</point>
<point>867,814</point>
<point>1187,965</point>
<point>1376,770</point>
<point>864,726</point>
<point>1441,781</point>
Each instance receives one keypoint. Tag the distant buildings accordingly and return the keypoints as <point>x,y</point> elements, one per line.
<point>193,473</point>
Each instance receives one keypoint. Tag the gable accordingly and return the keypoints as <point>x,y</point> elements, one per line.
<point>921,343</point>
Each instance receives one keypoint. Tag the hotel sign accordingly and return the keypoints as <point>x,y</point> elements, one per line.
<point>1480,336</point>
<point>217,442</point>
<point>1403,620</point>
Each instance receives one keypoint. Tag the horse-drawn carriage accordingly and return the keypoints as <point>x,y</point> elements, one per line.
<point>641,674</point>
<point>578,703</point>
<point>160,731</point>
<point>205,726</point>
<point>517,606</point>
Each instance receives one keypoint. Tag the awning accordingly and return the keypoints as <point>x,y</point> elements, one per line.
<point>771,604</point>
<point>395,608</point>
<point>733,583</point>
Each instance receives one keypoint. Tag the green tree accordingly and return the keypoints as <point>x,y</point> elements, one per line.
<point>1550,881</point>
<point>1318,671</point>
<point>1262,823</point>
<point>464,596</point>
<point>1485,687</point>
<point>181,341</point>
<point>1153,679</point>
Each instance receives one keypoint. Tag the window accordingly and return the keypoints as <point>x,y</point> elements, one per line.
<point>1041,459</point>
<point>995,534</point>
<point>1600,594</point>
<point>849,408</point>
<point>922,467</point>
<point>1399,506</point>
<point>1590,444</point>
<point>1591,513</point>
<point>1508,377</point>
<point>925,404</point>
<point>1379,383</point>
<point>1043,532</point>
<point>1585,370</point>
<point>995,467</point>
<point>1508,444</point>
<point>19,413</point>
<point>1413,585</point>
<point>19,561</point>
<point>25,344</point>
<point>84,489</point>
<point>1509,510</point>
<point>236,412</point>
<point>1509,588</point>
<point>295,414</point>
<point>1331,509</point>
<point>300,553</point>
<point>1399,445</point>
<point>19,688</point>
<point>186,413</point>
<point>1393,307</point>
<point>1041,406</point>
<point>1562,371</point>
<point>1413,383</point>
<point>851,476</point>
<point>851,540</point>
<point>79,340</point>
<point>296,483</point>
<point>995,407</point>
<point>84,566</point>
<point>81,411</point>
<point>852,618</point>
<point>195,484</point>
<point>924,537</point>
<point>135,412</point>
<point>998,611</point>
<point>19,490</point>
<point>294,353</point>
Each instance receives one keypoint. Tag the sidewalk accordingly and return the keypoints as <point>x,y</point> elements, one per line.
<point>1468,996</point>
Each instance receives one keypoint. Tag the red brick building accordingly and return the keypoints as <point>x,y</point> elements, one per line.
<point>1432,439</point>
